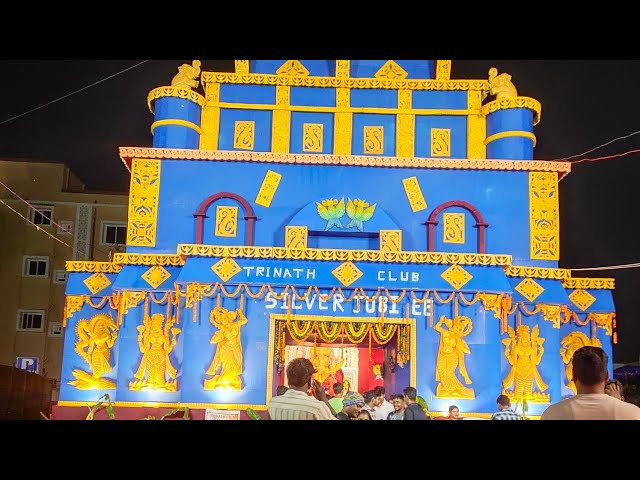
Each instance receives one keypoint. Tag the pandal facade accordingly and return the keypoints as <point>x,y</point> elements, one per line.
<point>376,216</point>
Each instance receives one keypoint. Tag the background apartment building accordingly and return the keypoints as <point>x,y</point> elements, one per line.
<point>32,264</point>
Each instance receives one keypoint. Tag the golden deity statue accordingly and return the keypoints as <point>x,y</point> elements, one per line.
<point>451,354</point>
<point>156,343</point>
<point>501,85</point>
<point>326,367</point>
<point>568,346</point>
<point>524,353</point>
<point>95,340</point>
<point>228,357</point>
<point>187,75</point>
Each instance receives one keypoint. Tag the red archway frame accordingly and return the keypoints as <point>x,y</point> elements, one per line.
<point>432,223</point>
<point>201,214</point>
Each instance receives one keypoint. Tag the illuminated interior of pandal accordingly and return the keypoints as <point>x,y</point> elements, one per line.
<point>378,217</point>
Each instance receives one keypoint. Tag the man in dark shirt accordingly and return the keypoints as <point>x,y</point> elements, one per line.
<point>413,411</point>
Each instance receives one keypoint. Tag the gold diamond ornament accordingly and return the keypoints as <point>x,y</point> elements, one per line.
<point>456,276</point>
<point>529,289</point>
<point>226,268</point>
<point>97,282</point>
<point>582,299</point>
<point>347,273</point>
<point>155,276</point>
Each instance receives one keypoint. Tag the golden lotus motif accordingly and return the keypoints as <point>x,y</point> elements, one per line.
<point>456,276</point>
<point>155,276</point>
<point>226,268</point>
<point>529,289</point>
<point>347,273</point>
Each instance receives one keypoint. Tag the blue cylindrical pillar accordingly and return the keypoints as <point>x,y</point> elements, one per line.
<point>510,124</point>
<point>177,118</point>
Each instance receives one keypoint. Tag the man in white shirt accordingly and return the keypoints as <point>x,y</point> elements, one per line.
<point>296,403</point>
<point>383,407</point>
<point>591,403</point>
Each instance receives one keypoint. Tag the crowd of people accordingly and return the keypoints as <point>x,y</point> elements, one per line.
<point>597,398</point>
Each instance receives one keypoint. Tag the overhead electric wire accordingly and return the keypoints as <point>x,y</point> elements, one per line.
<point>607,267</point>
<point>598,147</point>
<point>37,226</point>
<point>72,93</point>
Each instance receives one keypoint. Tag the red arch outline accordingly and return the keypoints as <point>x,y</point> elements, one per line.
<point>432,223</point>
<point>201,214</point>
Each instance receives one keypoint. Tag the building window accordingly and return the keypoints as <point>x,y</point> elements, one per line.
<point>113,233</point>
<point>60,276</point>
<point>30,320</point>
<point>35,266</point>
<point>55,329</point>
<point>41,214</point>
<point>65,227</point>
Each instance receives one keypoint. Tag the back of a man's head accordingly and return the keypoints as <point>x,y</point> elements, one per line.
<point>337,388</point>
<point>410,393</point>
<point>503,401</point>
<point>590,366</point>
<point>299,372</point>
<point>379,391</point>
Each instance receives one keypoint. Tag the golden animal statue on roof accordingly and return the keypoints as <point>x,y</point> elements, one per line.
<point>187,76</point>
<point>95,340</point>
<point>501,85</point>
<point>228,356</point>
<point>156,339</point>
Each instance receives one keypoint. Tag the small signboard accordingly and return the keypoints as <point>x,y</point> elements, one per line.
<point>30,364</point>
<point>213,414</point>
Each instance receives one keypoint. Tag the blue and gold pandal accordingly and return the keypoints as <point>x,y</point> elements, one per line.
<point>317,207</point>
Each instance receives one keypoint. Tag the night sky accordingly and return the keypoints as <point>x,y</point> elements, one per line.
<point>585,103</point>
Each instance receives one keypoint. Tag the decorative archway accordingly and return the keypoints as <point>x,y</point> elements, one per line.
<point>201,214</point>
<point>432,223</point>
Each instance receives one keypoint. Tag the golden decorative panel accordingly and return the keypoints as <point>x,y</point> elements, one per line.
<point>293,68</point>
<point>81,266</point>
<point>514,102</point>
<point>374,140</point>
<point>281,253</point>
<point>244,135</point>
<point>296,237</point>
<point>544,216</point>
<point>280,136</point>
<point>242,66</point>
<point>414,194</point>
<point>228,358</point>
<point>95,340</point>
<point>476,127</point>
<point>210,128</point>
<point>178,92</point>
<point>343,127</point>
<point>523,350</point>
<point>451,357</point>
<point>453,231</point>
<point>456,276</point>
<point>143,203</point>
<point>148,259</point>
<point>312,137</point>
<point>582,299</point>
<point>443,69</point>
<point>73,304</point>
<point>538,272</point>
<point>552,313</point>
<point>342,68</point>
<point>340,158</point>
<point>440,142</point>
<point>390,240</point>
<point>347,273</point>
<point>226,268</point>
<point>391,70</point>
<point>591,283</point>
<point>226,221</point>
<point>97,282</point>
<point>529,289</point>
<point>156,276</point>
<point>268,188</point>
<point>405,126</point>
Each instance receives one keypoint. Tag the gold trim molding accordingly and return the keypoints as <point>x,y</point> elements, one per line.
<point>176,122</point>
<point>280,253</point>
<point>509,134</point>
<point>514,102</point>
<point>92,267</point>
<point>148,259</point>
<point>185,93</point>
<point>538,272</point>
<point>221,406</point>
<point>590,283</point>
<point>343,82</point>
<point>127,154</point>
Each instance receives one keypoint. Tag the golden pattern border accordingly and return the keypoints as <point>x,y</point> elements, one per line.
<point>590,283</point>
<point>343,82</point>
<point>92,267</point>
<point>511,134</point>
<point>221,406</point>
<point>279,253</point>
<point>184,93</point>
<point>148,259</point>
<point>538,272</point>
<point>514,102</point>
<point>129,153</point>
